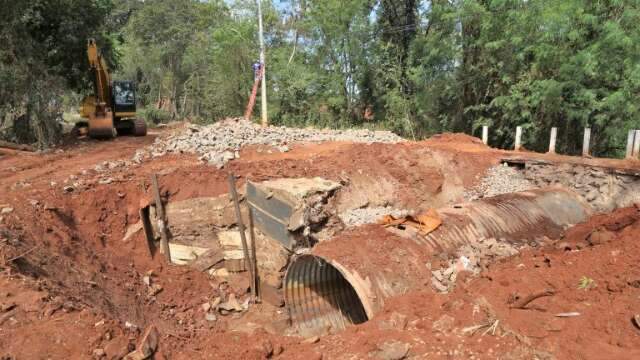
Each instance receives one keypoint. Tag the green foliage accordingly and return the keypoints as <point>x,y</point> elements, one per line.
<point>43,56</point>
<point>586,283</point>
<point>153,116</point>
<point>415,67</point>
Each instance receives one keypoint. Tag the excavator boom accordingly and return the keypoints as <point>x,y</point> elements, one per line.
<point>101,73</point>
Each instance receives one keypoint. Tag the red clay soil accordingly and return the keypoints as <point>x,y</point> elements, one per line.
<point>64,264</point>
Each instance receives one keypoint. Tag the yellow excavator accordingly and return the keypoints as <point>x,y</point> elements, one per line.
<point>112,110</point>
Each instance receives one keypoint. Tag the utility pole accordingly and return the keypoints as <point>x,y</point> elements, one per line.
<point>263,91</point>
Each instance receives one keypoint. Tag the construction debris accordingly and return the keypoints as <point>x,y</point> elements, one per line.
<point>424,222</point>
<point>568,314</point>
<point>472,258</point>
<point>132,230</point>
<point>523,302</point>
<point>370,215</point>
<point>232,305</point>
<point>147,346</point>
<point>501,179</point>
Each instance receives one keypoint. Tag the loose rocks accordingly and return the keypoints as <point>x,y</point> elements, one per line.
<point>500,179</point>
<point>218,143</point>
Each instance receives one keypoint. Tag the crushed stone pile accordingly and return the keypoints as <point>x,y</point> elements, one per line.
<point>220,142</point>
<point>500,179</point>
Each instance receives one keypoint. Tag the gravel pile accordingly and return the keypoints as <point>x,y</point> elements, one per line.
<point>500,179</point>
<point>369,215</point>
<point>220,142</point>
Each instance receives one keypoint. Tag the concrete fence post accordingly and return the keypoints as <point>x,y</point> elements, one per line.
<point>485,134</point>
<point>585,141</point>
<point>636,144</point>
<point>630,139</point>
<point>518,138</point>
<point>552,140</point>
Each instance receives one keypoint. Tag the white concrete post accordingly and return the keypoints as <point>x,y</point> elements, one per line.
<point>636,144</point>
<point>518,138</point>
<point>552,140</point>
<point>630,141</point>
<point>485,134</point>
<point>585,141</point>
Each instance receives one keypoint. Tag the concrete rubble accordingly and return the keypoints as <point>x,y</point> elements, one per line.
<point>471,258</point>
<point>501,179</point>
<point>221,142</point>
<point>602,188</point>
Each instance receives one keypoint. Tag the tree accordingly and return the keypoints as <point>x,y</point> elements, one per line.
<point>43,55</point>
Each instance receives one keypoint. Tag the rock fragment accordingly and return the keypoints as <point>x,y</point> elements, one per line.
<point>393,350</point>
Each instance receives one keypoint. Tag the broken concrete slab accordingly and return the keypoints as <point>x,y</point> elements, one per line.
<point>300,188</point>
<point>287,209</point>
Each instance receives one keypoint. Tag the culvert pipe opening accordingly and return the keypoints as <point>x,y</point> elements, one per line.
<point>319,298</point>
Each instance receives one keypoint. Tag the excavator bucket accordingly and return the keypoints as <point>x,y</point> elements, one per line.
<point>101,125</point>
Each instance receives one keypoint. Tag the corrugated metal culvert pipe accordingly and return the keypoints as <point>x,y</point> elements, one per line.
<point>346,280</point>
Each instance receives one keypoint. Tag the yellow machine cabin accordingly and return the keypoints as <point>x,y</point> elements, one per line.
<point>111,111</point>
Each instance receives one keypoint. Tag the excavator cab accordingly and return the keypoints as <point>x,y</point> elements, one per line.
<point>124,98</point>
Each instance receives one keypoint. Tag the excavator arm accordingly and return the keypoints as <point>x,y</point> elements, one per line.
<point>98,108</point>
<point>102,79</point>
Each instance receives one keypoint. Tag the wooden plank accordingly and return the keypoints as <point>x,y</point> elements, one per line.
<point>164,234</point>
<point>148,230</point>
<point>236,204</point>
<point>14,146</point>
<point>254,260</point>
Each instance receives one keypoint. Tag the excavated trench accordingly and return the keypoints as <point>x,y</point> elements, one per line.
<point>330,275</point>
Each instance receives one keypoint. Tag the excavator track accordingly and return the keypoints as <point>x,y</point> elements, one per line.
<point>139,127</point>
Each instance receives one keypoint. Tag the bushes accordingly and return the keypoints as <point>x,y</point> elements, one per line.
<point>154,116</point>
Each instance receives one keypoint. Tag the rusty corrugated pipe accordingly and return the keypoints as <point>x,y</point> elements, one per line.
<point>347,279</point>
